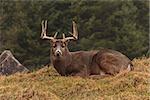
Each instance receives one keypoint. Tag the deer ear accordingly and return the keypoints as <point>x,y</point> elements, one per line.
<point>66,42</point>
<point>53,41</point>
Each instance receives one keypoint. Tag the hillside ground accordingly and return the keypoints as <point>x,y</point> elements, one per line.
<point>47,84</point>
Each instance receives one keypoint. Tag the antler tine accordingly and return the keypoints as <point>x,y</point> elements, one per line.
<point>63,36</point>
<point>70,33</point>
<point>45,25</point>
<point>55,35</point>
<point>42,24</point>
<point>43,34</point>
<point>74,34</point>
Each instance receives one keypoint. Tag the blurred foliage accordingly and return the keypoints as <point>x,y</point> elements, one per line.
<point>114,24</point>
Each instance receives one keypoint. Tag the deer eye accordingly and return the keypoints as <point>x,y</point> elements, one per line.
<point>54,45</point>
<point>63,45</point>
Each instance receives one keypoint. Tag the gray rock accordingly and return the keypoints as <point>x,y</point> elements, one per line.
<point>9,64</point>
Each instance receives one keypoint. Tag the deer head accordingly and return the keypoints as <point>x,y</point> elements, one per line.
<point>59,46</point>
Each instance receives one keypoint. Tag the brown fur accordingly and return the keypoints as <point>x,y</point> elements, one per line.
<point>86,63</point>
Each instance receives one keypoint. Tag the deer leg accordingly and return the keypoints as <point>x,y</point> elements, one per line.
<point>82,73</point>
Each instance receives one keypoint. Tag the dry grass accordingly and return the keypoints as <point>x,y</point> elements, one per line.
<point>46,84</point>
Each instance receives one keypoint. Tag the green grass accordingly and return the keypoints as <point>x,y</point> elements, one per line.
<point>47,84</point>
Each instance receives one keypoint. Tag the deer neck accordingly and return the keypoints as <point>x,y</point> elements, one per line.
<point>60,64</point>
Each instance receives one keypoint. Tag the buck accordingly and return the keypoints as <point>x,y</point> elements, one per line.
<point>84,63</point>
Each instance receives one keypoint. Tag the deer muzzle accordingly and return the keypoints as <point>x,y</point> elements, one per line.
<point>58,52</point>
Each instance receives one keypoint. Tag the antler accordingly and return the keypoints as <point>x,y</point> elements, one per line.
<point>43,34</point>
<point>74,34</point>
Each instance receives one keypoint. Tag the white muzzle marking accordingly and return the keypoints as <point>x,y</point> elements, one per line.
<point>58,51</point>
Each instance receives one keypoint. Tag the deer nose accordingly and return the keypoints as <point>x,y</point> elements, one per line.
<point>58,52</point>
